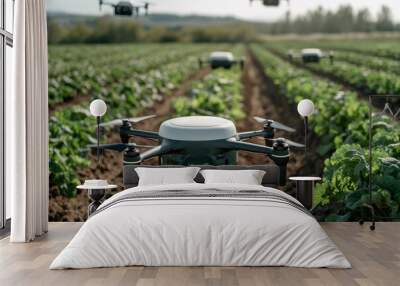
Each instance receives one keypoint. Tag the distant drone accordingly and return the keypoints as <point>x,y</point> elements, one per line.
<point>311,55</point>
<point>222,60</point>
<point>126,8</point>
<point>199,140</point>
<point>269,2</point>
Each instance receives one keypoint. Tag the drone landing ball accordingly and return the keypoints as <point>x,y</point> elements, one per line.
<point>305,107</point>
<point>98,107</point>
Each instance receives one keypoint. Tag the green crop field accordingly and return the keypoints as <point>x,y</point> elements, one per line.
<point>129,78</point>
<point>132,79</point>
<point>342,126</point>
<point>369,74</point>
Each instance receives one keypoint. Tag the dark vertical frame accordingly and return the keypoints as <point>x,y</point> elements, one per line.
<point>2,102</point>
<point>369,205</point>
<point>6,39</point>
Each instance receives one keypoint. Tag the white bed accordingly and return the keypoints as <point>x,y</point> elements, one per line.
<point>207,230</point>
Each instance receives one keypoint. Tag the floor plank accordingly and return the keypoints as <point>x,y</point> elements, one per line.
<point>375,257</point>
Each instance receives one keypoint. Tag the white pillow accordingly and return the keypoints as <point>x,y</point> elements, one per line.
<point>245,177</point>
<point>166,176</point>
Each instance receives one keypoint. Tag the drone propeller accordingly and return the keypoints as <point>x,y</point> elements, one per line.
<point>132,120</point>
<point>274,124</point>
<point>287,141</point>
<point>136,11</point>
<point>156,151</point>
<point>120,147</point>
<point>102,2</point>
<point>146,6</point>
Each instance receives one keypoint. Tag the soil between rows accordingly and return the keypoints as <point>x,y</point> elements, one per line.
<point>262,99</point>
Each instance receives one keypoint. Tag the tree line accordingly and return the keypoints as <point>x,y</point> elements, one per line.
<point>344,20</point>
<point>108,29</point>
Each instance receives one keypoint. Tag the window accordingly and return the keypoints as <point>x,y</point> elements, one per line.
<point>6,44</point>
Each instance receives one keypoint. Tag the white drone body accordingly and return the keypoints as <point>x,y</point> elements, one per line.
<point>198,128</point>
<point>201,132</point>
<point>311,55</point>
<point>222,59</point>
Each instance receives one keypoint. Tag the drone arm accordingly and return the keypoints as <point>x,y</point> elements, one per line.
<point>245,146</point>
<point>279,154</point>
<point>156,151</point>
<point>142,133</point>
<point>114,147</point>
<point>251,134</point>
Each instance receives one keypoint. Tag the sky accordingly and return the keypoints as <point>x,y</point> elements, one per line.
<point>238,8</point>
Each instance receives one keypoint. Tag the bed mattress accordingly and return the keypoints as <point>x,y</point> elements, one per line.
<point>201,225</point>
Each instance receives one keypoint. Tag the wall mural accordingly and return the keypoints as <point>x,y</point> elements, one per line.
<point>160,64</point>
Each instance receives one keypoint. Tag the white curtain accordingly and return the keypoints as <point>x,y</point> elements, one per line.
<point>27,124</point>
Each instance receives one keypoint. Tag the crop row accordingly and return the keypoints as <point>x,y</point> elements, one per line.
<point>385,48</point>
<point>94,74</point>
<point>379,47</point>
<point>64,59</point>
<point>371,62</point>
<point>218,94</point>
<point>72,129</point>
<point>341,122</point>
<point>366,80</point>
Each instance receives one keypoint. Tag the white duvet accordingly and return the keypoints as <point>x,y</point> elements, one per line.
<point>202,232</point>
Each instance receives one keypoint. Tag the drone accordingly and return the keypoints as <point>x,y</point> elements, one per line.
<point>222,59</point>
<point>269,2</point>
<point>311,55</point>
<point>199,140</point>
<point>126,8</point>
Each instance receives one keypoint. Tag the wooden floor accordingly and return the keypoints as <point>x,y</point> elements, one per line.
<point>375,257</point>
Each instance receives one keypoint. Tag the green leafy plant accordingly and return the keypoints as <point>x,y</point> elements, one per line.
<point>217,94</point>
<point>344,190</point>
